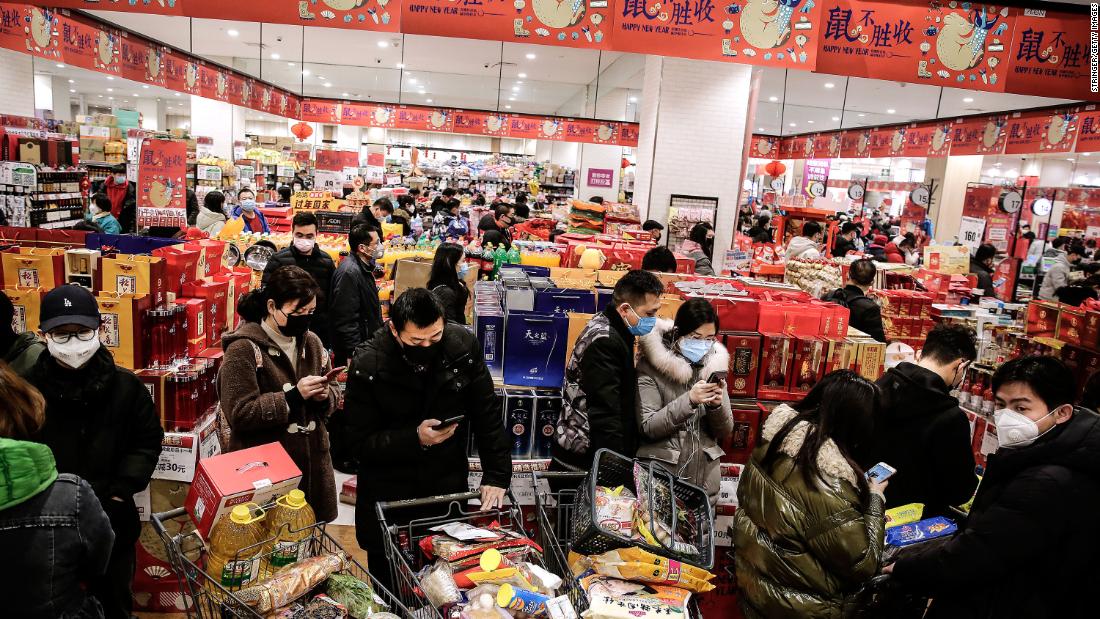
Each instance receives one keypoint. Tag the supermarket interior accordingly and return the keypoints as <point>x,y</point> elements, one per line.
<point>553,309</point>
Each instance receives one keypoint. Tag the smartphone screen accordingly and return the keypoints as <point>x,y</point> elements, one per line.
<point>716,378</point>
<point>880,472</point>
<point>334,372</point>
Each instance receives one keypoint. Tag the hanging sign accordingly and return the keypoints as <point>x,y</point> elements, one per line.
<point>1050,55</point>
<point>1035,133</point>
<point>544,22</point>
<point>161,188</point>
<point>764,147</point>
<point>971,232</point>
<point>814,177</point>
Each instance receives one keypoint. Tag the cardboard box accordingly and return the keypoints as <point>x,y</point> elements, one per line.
<point>746,429</point>
<point>809,364</point>
<point>565,301</point>
<point>156,383</point>
<point>81,266</point>
<point>519,420</point>
<point>410,274</point>
<point>584,279</point>
<point>1090,335</point>
<point>1071,324</point>
<point>744,351</point>
<point>1042,317</point>
<point>122,328</point>
<point>216,295</point>
<point>198,334</point>
<point>256,475</point>
<point>182,265</point>
<point>872,359</point>
<point>577,323</point>
<point>949,259</point>
<point>777,360</point>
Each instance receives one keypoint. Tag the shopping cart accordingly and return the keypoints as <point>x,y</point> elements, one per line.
<point>554,517</point>
<point>207,598</point>
<point>402,540</point>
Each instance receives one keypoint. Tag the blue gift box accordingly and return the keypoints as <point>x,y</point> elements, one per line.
<point>534,349</point>
<point>490,334</point>
<point>127,243</point>
<point>603,298</point>
<point>565,300</point>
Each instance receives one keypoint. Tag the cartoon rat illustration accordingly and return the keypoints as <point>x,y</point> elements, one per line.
<point>992,133</point>
<point>41,27</point>
<point>939,138</point>
<point>558,13</point>
<point>955,44</point>
<point>192,75</point>
<point>105,47</point>
<point>153,63</point>
<point>766,23</point>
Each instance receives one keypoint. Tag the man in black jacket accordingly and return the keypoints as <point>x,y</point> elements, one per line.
<point>921,431</point>
<point>100,424</point>
<point>846,240</point>
<point>495,227</point>
<point>303,252</point>
<point>356,311</point>
<point>1023,552</point>
<point>600,397</point>
<point>402,386</point>
<point>864,313</point>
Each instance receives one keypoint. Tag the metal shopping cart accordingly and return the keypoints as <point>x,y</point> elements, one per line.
<point>207,598</point>
<point>555,501</point>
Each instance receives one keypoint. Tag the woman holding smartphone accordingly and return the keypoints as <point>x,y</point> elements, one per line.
<point>809,527</point>
<point>276,382</point>
<point>685,411</point>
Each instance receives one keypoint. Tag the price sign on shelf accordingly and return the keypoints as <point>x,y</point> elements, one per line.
<point>179,453</point>
<point>284,171</point>
<point>209,173</point>
<point>971,232</point>
<point>18,173</point>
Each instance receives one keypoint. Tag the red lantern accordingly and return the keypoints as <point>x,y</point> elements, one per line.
<point>301,130</point>
<point>624,163</point>
<point>775,168</point>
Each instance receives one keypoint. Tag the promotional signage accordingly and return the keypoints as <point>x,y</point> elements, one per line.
<point>162,168</point>
<point>758,32</point>
<point>1050,55</point>
<point>1088,132</point>
<point>1036,133</point>
<point>600,177</point>
<point>814,178</point>
<point>570,24</point>
<point>764,147</point>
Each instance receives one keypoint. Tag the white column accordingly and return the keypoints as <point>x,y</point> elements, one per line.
<point>213,119</point>
<point>602,157</point>
<point>17,76</point>
<point>62,108</point>
<point>1056,173</point>
<point>150,119</point>
<point>348,137</point>
<point>692,134</point>
<point>43,92</point>
<point>959,171</point>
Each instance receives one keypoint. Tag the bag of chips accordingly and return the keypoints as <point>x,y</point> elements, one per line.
<point>643,566</point>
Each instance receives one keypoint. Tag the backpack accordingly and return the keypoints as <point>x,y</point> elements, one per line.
<point>841,298</point>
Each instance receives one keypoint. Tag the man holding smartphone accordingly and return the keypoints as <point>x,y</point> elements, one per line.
<point>415,393</point>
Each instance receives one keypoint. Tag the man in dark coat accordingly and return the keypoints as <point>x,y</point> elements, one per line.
<point>846,240</point>
<point>865,314</point>
<point>921,431</point>
<point>495,227</point>
<point>1023,552</point>
<point>100,424</point>
<point>600,398</point>
<point>303,252</point>
<point>981,266</point>
<point>403,384</point>
<point>356,311</point>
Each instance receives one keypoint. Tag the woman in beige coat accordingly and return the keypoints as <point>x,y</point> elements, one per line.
<point>683,416</point>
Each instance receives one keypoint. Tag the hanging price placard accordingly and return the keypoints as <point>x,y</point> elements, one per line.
<point>971,232</point>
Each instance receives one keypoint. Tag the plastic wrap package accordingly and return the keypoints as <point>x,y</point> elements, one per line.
<point>612,598</point>
<point>651,521</point>
<point>292,582</point>
<point>615,509</point>
<point>643,566</point>
<point>357,596</point>
<point>438,583</point>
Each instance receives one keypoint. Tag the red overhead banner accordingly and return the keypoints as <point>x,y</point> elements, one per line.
<point>354,14</point>
<point>827,145</point>
<point>628,134</point>
<point>547,22</point>
<point>480,123</point>
<point>980,137</point>
<point>424,119</point>
<point>1050,55</point>
<point>1088,132</point>
<point>162,169</point>
<point>1037,133</point>
<point>940,144</point>
<point>764,147</point>
<point>855,143</point>
<point>760,32</point>
<point>918,141</point>
<point>157,7</point>
<point>957,44</point>
<point>881,139</point>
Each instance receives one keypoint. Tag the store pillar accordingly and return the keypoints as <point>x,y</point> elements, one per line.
<point>952,175</point>
<point>214,119</point>
<point>693,117</point>
<point>598,172</point>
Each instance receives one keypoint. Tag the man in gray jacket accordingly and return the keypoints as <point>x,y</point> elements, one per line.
<point>1058,275</point>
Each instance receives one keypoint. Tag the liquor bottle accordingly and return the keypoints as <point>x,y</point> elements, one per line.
<point>976,395</point>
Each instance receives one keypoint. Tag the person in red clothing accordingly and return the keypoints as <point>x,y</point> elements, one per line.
<point>123,195</point>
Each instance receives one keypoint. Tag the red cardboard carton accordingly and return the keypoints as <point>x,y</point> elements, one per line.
<point>1071,322</point>
<point>746,429</point>
<point>777,359</point>
<point>744,350</point>
<point>1042,318</point>
<point>216,295</point>
<point>198,337</point>
<point>809,364</point>
<point>257,475</point>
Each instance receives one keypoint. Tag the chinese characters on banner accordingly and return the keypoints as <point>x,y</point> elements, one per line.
<point>162,168</point>
<point>816,171</point>
<point>764,147</point>
<point>356,14</point>
<point>1035,133</point>
<point>980,137</point>
<point>1088,132</point>
<point>957,44</point>
<point>855,144</point>
<point>760,32</point>
<point>573,23</point>
<point>1050,55</point>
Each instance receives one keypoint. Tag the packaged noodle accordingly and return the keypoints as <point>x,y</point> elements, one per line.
<point>459,553</point>
<point>904,514</point>
<point>644,566</point>
<point>604,607</point>
<point>615,509</point>
<point>657,507</point>
<point>596,586</point>
<point>292,582</point>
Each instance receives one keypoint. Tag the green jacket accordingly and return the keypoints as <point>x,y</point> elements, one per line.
<point>24,352</point>
<point>802,549</point>
<point>26,469</point>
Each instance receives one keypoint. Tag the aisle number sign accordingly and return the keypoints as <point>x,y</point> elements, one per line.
<point>314,201</point>
<point>971,232</point>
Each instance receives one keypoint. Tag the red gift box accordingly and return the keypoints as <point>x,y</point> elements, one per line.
<point>182,265</point>
<point>1090,334</point>
<point>746,430</point>
<point>216,295</point>
<point>240,282</point>
<point>1071,321</point>
<point>777,359</point>
<point>198,336</point>
<point>211,257</point>
<point>744,350</point>
<point>738,314</point>
<point>809,364</point>
<point>1042,318</point>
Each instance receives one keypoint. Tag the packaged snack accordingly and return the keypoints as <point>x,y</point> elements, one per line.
<point>322,607</point>
<point>522,600</point>
<point>482,604</point>
<point>458,552</point>
<point>464,532</point>
<point>547,582</point>
<point>493,569</point>
<point>615,509</point>
<point>922,531</point>
<point>604,607</point>
<point>437,581</point>
<point>292,582</point>
<point>904,514</point>
<point>596,585</point>
<point>643,566</point>
<point>357,596</point>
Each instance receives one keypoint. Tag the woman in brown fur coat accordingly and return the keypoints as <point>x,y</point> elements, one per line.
<point>272,382</point>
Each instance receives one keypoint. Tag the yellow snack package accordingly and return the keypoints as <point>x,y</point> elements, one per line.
<point>904,514</point>
<point>643,566</point>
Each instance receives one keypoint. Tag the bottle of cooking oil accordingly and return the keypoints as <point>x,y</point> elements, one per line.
<point>287,527</point>
<point>234,545</point>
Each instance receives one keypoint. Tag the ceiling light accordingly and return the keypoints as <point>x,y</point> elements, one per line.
<point>177,94</point>
<point>519,83</point>
<point>522,76</point>
<point>428,100</point>
<point>110,77</point>
<point>305,72</point>
<point>383,44</point>
<point>515,88</point>
<point>794,124</point>
<point>862,115</point>
<point>1086,154</point>
<point>72,90</point>
<point>344,94</point>
<point>511,98</point>
<point>421,91</point>
<point>412,80</point>
<point>72,81</point>
<point>111,98</point>
<point>759,128</point>
<point>890,111</point>
<point>145,86</point>
<point>60,66</point>
<point>321,77</point>
<point>232,33</point>
<point>328,84</point>
<point>829,84</point>
<point>530,56</point>
<point>290,64</point>
<point>110,90</point>
<point>507,107</point>
<point>275,56</point>
<point>400,65</point>
<point>1069,158</point>
<point>810,121</point>
<point>836,118</point>
<point>136,94</point>
<point>633,99</point>
<point>773,99</point>
<point>100,96</point>
<point>968,99</point>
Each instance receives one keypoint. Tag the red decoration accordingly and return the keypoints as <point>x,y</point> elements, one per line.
<point>301,131</point>
<point>624,164</point>
<point>775,168</point>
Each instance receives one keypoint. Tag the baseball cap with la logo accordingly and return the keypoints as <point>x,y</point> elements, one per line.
<point>68,305</point>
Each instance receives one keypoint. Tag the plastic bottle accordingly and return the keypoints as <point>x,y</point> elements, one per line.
<point>963,392</point>
<point>235,544</point>
<point>287,525</point>
<point>498,259</point>
<point>987,400</point>
<point>513,255</point>
<point>976,395</point>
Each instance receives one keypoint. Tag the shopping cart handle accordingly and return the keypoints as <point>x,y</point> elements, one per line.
<point>159,518</point>
<point>432,500</point>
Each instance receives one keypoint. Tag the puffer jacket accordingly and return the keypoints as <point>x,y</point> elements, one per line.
<point>24,351</point>
<point>802,248</point>
<point>803,548</point>
<point>1056,277</point>
<point>681,436</point>
<point>209,221</point>
<point>693,250</point>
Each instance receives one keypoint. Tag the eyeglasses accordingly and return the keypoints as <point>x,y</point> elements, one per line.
<point>83,336</point>
<point>695,336</point>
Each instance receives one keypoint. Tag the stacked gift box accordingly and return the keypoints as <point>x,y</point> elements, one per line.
<point>906,315</point>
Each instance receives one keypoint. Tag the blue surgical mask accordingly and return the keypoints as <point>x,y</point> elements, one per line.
<point>463,270</point>
<point>389,219</point>
<point>120,179</point>
<point>644,326</point>
<point>248,205</point>
<point>694,350</point>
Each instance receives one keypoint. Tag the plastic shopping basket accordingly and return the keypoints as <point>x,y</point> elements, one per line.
<point>611,470</point>
<point>207,598</point>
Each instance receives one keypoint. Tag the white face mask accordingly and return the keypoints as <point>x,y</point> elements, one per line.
<point>304,245</point>
<point>74,353</point>
<point>94,210</point>
<point>1017,430</point>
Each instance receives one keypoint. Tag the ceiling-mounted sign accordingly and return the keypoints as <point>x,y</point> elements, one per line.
<point>1041,207</point>
<point>856,191</point>
<point>1050,55</point>
<point>758,32</point>
<point>764,147</point>
<point>545,22</point>
<point>920,196</point>
<point>1010,201</point>
<point>816,189</point>
<point>954,44</point>
<point>980,137</point>
<point>777,183</point>
<point>1041,132</point>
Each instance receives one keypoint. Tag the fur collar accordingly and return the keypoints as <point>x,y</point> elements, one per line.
<point>829,459</point>
<point>655,349</point>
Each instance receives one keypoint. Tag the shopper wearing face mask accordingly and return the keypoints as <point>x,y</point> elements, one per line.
<point>100,424</point>
<point>356,313</point>
<point>272,382</point>
<point>99,213</point>
<point>249,213</point>
<point>920,429</point>
<point>1024,552</point>
<point>414,375</point>
<point>446,281</point>
<point>304,252</point>
<point>123,196</point>
<point>683,416</point>
<point>600,397</point>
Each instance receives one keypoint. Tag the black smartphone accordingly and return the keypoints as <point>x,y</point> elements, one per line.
<point>716,378</point>
<point>443,425</point>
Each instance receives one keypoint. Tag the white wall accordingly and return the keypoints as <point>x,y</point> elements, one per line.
<point>960,170</point>
<point>602,156</point>
<point>214,119</point>
<point>17,77</point>
<point>1055,173</point>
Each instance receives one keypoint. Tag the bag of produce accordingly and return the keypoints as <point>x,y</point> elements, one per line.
<point>292,582</point>
<point>355,595</point>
